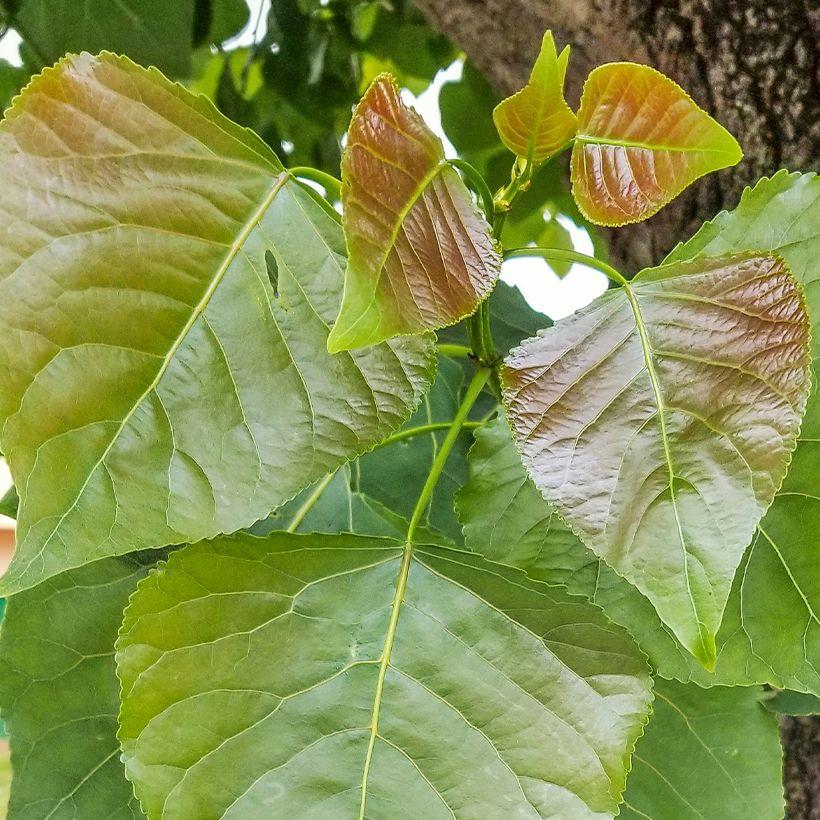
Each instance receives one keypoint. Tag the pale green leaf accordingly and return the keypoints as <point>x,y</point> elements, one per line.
<point>291,687</point>
<point>706,754</point>
<point>156,389</point>
<point>60,695</point>
<point>536,121</point>
<point>660,421</point>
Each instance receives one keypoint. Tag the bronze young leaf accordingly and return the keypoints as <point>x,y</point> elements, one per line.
<point>420,254</point>
<point>641,140</point>
<point>660,422</point>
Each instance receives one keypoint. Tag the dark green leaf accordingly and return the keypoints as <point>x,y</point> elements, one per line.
<point>153,32</point>
<point>60,695</point>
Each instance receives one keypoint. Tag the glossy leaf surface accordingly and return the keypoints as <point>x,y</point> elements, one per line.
<point>641,140</point>
<point>507,520</point>
<point>156,390</point>
<point>660,421</point>
<point>536,121</point>
<point>706,753</point>
<point>60,695</point>
<point>263,659</point>
<point>420,254</point>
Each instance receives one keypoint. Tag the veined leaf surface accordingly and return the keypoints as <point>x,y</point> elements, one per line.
<point>536,121</point>
<point>60,695</point>
<point>660,422</point>
<point>155,389</point>
<point>641,140</point>
<point>776,611</point>
<point>341,676</point>
<point>420,254</point>
<point>706,753</point>
<point>760,639</point>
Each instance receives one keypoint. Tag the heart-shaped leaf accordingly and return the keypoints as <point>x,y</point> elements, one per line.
<point>536,121</point>
<point>641,140</point>
<point>156,389</point>
<point>345,676</point>
<point>60,695</point>
<point>706,753</point>
<point>660,422</point>
<point>774,611</point>
<point>420,254</point>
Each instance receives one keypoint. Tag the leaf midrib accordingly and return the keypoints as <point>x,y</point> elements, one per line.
<point>233,250</point>
<point>648,354</point>
<point>592,139</point>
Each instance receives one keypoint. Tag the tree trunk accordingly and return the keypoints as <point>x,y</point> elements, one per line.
<point>753,65</point>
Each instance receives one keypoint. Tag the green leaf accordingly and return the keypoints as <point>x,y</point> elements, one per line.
<point>660,422</point>
<point>395,474</point>
<point>288,683</point>
<point>511,318</point>
<point>706,753</point>
<point>793,703</point>
<point>9,502</point>
<point>175,396</point>
<point>536,121</point>
<point>421,255</point>
<point>60,695</point>
<point>153,32</point>
<point>641,140</point>
<point>341,508</point>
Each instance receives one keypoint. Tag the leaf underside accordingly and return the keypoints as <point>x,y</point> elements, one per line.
<point>668,406</point>
<point>262,658</point>
<point>146,359</point>
<point>421,256</point>
<point>536,121</point>
<point>641,140</point>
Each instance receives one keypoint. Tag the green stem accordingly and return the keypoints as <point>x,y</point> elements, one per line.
<point>478,184</point>
<point>455,351</point>
<point>561,255</point>
<point>473,391</point>
<point>310,501</point>
<point>426,428</point>
<point>332,185</point>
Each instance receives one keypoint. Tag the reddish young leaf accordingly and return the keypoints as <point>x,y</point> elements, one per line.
<point>641,140</point>
<point>536,121</point>
<point>420,254</point>
<point>660,420</point>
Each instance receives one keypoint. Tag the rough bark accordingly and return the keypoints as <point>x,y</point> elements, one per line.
<point>753,65</point>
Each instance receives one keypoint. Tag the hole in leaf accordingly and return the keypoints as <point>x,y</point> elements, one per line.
<point>273,272</point>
